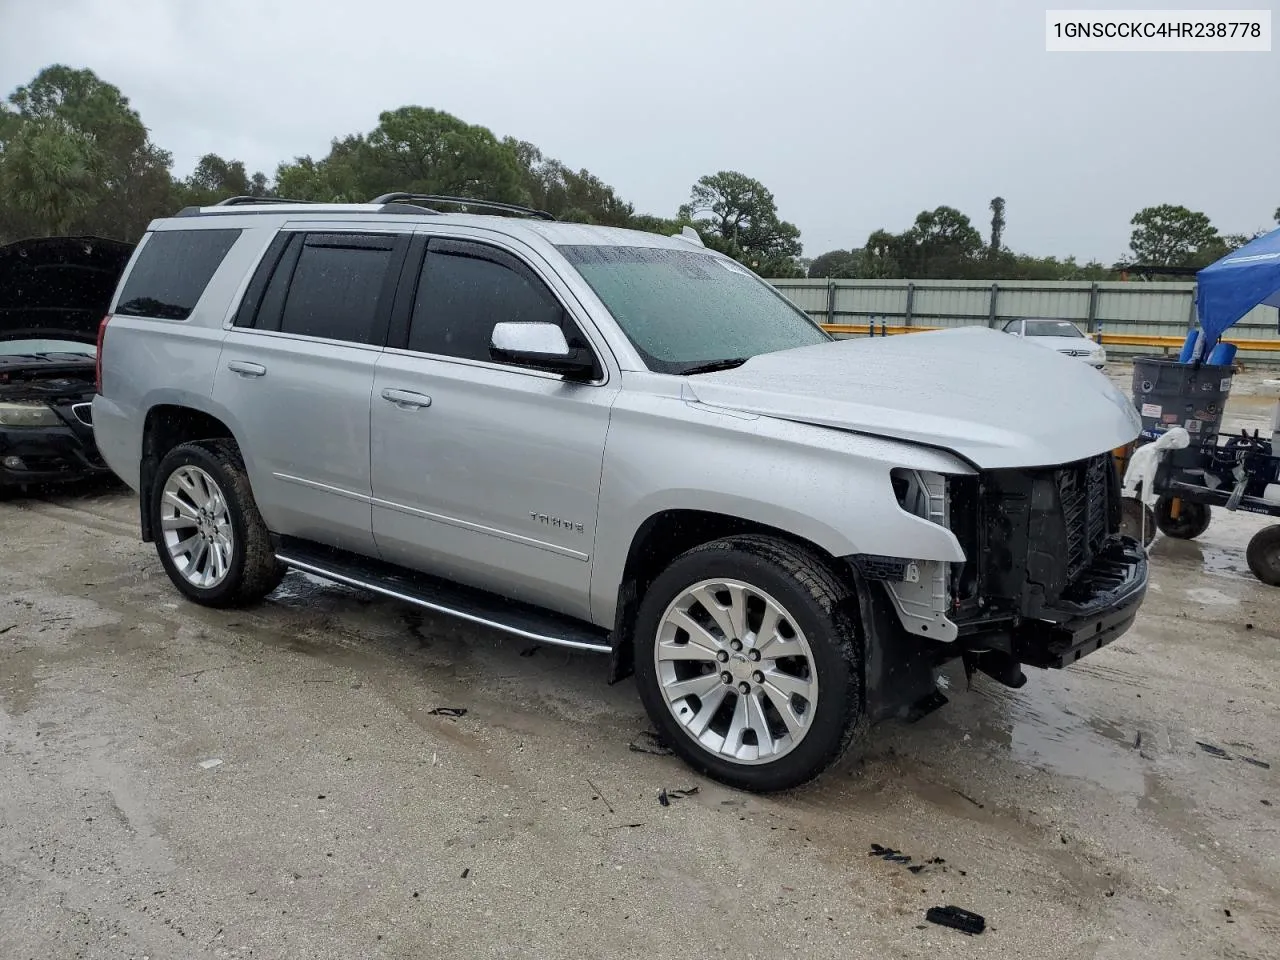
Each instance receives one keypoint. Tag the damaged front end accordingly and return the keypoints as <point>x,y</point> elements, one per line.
<point>46,420</point>
<point>1047,579</point>
<point>54,292</point>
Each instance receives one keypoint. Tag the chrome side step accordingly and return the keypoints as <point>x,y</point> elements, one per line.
<point>465,603</point>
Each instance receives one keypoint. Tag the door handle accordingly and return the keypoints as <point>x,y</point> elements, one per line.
<point>406,399</point>
<point>246,369</point>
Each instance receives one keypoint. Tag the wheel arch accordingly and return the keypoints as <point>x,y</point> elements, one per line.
<point>661,538</point>
<point>165,426</point>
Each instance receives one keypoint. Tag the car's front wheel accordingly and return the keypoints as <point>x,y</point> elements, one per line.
<point>210,537</point>
<point>749,662</point>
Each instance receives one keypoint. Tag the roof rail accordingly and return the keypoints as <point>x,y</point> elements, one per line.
<point>421,198</point>
<point>239,201</point>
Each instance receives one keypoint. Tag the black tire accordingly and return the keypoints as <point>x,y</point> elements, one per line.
<point>818,601</point>
<point>252,570</point>
<point>1192,520</point>
<point>1263,555</point>
<point>1138,521</point>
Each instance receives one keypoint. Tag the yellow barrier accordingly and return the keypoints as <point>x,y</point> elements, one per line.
<point>1114,339</point>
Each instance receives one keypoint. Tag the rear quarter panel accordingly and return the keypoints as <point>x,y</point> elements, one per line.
<point>147,362</point>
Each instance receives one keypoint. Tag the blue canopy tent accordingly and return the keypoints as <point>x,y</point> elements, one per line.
<point>1229,288</point>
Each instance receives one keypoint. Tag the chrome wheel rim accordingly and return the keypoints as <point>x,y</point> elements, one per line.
<point>196,525</point>
<point>736,671</point>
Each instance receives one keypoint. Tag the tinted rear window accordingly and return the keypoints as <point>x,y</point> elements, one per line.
<point>337,286</point>
<point>172,271</point>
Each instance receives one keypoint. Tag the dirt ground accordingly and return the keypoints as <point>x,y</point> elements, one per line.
<point>180,782</point>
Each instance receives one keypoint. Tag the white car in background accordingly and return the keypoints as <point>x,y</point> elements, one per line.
<point>1061,335</point>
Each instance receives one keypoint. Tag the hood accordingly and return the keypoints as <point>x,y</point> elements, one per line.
<point>986,396</point>
<point>58,288</point>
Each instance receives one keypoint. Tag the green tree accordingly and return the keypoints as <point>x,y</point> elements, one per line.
<point>105,176</point>
<point>47,180</point>
<point>1173,236</point>
<point>578,196</point>
<point>413,149</point>
<point>941,243</point>
<point>217,179</point>
<point>835,264</point>
<point>997,227</point>
<point>737,215</point>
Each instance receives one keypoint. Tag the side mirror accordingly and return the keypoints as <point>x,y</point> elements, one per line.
<point>540,346</point>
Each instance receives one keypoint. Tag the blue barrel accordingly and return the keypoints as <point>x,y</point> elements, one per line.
<point>1224,354</point>
<point>1188,347</point>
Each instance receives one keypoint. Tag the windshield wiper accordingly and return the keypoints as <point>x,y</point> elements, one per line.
<point>714,365</point>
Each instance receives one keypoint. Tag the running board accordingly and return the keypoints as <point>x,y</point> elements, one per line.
<point>465,603</point>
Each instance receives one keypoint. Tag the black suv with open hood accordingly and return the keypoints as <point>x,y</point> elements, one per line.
<point>54,292</point>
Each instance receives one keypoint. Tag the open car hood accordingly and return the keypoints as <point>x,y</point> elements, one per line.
<point>58,288</point>
<point>986,396</point>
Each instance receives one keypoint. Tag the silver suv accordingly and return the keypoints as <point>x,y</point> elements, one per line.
<point>616,442</point>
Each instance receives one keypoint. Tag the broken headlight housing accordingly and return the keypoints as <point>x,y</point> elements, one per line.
<point>922,494</point>
<point>27,415</point>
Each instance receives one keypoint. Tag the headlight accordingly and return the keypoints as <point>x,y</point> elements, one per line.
<point>27,415</point>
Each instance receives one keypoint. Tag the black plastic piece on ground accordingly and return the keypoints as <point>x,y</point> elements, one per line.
<point>1213,751</point>
<point>962,920</point>
<point>925,706</point>
<point>1000,667</point>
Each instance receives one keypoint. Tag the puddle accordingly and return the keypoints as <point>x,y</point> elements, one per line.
<point>1224,562</point>
<point>300,589</point>
<point>1045,725</point>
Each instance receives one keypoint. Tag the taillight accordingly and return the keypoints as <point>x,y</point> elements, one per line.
<point>97,372</point>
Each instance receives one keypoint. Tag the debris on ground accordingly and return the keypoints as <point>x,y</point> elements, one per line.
<point>454,712</point>
<point>1137,740</point>
<point>965,796</point>
<point>1230,919</point>
<point>1221,754</point>
<point>530,651</point>
<point>210,763</point>
<point>599,795</point>
<point>666,796</point>
<point>963,920</point>
<point>890,855</point>
<point>649,742</point>
<point>466,873</point>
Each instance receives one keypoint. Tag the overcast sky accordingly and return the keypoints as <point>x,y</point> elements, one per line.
<point>857,115</point>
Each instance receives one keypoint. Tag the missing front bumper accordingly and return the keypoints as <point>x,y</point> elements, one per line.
<point>1099,608</point>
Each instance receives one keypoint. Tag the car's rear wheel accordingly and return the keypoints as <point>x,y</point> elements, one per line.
<point>749,662</point>
<point>210,537</point>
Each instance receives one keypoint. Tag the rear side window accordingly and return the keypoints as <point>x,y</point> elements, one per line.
<point>335,289</point>
<point>172,271</point>
<point>466,288</point>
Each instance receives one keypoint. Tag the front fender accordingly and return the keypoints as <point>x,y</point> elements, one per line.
<point>827,486</point>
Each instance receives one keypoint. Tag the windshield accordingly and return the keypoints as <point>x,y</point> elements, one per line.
<point>1052,328</point>
<point>22,348</point>
<point>683,309</point>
